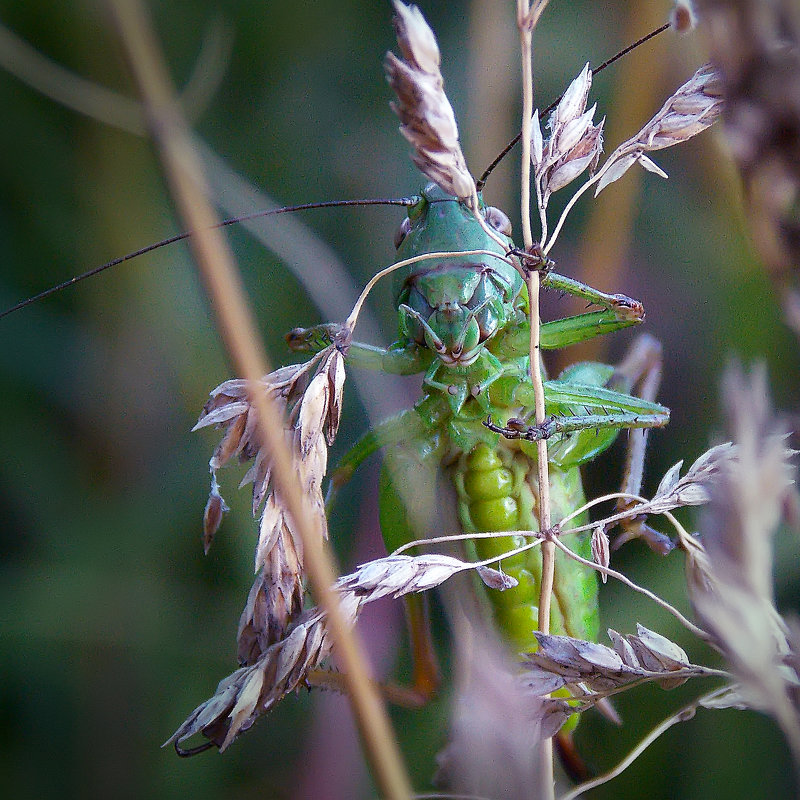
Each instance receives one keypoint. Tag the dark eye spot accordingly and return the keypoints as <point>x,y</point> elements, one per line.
<point>498,220</point>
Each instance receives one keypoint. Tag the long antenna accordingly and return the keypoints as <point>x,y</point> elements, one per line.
<point>481,182</point>
<point>402,201</point>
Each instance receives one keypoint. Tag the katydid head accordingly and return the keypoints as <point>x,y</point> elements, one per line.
<point>456,304</point>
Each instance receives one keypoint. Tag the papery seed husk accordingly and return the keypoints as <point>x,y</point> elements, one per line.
<point>601,550</point>
<point>496,579</point>
<point>616,171</point>
<point>537,143</point>
<point>220,414</point>
<point>574,130</point>
<point>415,38</point>
<point>567,172</point>
<point>671,655</point>
<point>245,705</point>
<point>622,647</point>
<point>651,165</point>
<point>231,443</point>
<point>212,515</point>
<point>336,378</point>
<point>270,528</point>
<point>573,103</point>
<point>313,411</point>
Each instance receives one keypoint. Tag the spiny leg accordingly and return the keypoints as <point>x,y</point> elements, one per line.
<point>639,371</point>
<point>602,410</point>
<point>396,360</point>
<point>617,311</point>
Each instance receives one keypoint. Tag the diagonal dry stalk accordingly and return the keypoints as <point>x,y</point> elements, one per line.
<point>239,333</point>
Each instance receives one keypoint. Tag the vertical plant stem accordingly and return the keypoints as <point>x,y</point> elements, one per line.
<point>526,20</point>
<point>238,331</point>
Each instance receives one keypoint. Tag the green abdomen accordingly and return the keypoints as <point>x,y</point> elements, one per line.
<point>498,491</point>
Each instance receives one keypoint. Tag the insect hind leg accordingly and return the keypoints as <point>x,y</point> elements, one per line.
<point>640,373</point>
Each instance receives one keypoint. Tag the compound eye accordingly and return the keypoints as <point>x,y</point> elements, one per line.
<point>402,232</point>
<point>498,220</point>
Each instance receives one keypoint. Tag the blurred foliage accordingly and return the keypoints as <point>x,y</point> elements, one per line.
<point>113,624</point>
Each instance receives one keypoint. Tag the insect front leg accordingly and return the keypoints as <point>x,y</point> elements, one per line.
<point>398,359</point>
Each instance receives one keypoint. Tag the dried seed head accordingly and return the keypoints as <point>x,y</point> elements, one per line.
<point>426,116</point>
<point>574,144</point>
<point>734,595</point>
<point>416,39</point>
<point>278,660</point>
<point>578,664</point>
<point>395,576</point>
<point>692,489</point>
<point>309,396</point>
<point>693,108</point>
<point>244,696</point>
<point>601,552</point>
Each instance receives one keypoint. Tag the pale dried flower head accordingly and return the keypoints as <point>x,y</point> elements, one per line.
<point>253,690</point>
<point>276,668</point>
<point>574,143</point>
<point>309,396</point>
<point>690,110</point>
<point>426,116</point>
<point>734,600</point>
<point>583,667</point>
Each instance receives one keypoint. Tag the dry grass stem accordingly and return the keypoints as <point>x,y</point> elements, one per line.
<point>238,329</point>
<point>527,17</point>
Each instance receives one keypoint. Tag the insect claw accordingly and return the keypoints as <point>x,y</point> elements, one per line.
<point>343,339</point>
<point>192,751</point>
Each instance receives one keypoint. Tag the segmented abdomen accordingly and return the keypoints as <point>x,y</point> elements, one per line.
<point>498,491</point>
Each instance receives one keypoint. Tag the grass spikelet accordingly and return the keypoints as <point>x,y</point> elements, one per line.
<point>427,118</point>
<point>310,395</point>
<point>735,599</point>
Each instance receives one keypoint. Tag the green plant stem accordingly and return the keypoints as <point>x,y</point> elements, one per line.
<point>238,331</point>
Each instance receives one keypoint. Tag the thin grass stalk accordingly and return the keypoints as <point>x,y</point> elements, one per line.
<point>526,21</point>
<point>238,331</point>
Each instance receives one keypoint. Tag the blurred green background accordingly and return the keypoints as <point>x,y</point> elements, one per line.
<point>113,625</point>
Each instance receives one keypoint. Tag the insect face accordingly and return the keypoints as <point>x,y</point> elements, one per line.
<point>455,305</point>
